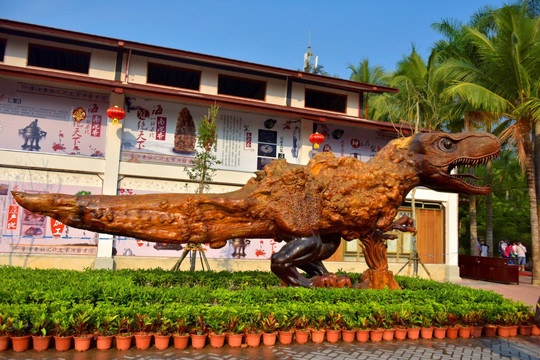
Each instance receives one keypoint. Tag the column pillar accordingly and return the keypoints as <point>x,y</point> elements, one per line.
<point>104,258</point>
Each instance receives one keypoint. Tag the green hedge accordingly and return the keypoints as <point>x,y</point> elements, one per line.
<point>27,293</point>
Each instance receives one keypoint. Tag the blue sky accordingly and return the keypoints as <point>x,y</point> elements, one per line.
<point>273,32</point>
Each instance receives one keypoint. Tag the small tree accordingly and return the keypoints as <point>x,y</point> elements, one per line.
<point>202,170</point>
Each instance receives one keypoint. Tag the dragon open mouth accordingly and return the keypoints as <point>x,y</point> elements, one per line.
<point>469,179</point>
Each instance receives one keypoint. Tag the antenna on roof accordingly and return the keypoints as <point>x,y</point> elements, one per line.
<point>307,56</point>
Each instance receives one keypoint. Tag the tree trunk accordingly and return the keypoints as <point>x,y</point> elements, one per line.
<point>489,209</point>
<point>473,226</point>
<point>533,204</point>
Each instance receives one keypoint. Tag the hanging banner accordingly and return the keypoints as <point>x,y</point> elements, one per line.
<point>52,120</point>
<point>161,132</point>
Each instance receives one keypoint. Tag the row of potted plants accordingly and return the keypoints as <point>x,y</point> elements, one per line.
<point>84,330</point>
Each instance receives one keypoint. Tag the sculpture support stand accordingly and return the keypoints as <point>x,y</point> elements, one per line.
<point>192,250</point>
<point>414,259</point>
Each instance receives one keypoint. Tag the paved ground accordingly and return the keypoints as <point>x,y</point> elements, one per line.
<point>524,292</point>
<point>482,348</point>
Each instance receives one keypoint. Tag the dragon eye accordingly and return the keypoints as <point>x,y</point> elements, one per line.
<point>447,145</point>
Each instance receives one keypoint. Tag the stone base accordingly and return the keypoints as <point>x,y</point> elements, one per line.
<point>378,279</point>
<point>452,273</point>
<point>104,263</point>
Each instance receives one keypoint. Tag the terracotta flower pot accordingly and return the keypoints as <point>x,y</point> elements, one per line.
<point>332,336</point>
<point>376,335</point>
<point>269,339</point>
<point>490,331</point>
<point>301,336</point>
<point>400,334</point>
<point>143,341</point>
<point>426,333</point>
<point>285,337</point>
<point>362,335</point>
<point>180,341</point>
<point>20,343</point>
<point>198,341</point>
<point>535,331</point>
<point>104,342</point>
<point>514,330</point>
<point>452,332</point>
<point>82,343</point>
<point>413,333</point>
<point>235,340</point>
<point>317,336</point>
<point>476,331</point>
<point>388,334</point>
<point>503,331</point>
<point>439,333</point>
<point>62,343</point>
<point>217,341</point>
<point>41,343</point>
<point>4,342</point>
<point>348,335</point>
<point>123,342</point>
<point>253,340</point>
<point>525,330</point>
<point>464,332</point>
<point>162,341</point>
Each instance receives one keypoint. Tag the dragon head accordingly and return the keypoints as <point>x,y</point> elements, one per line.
<point>437,154</point>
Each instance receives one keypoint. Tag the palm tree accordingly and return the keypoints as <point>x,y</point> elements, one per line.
<point>506,81</point>
<point>367,74</point>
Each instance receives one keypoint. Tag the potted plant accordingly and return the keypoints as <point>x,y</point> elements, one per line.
<point>41,326</point>
<point>376,321</point>
<point>400,320</point>
<point>163,335</point>
<point>472,320</point>
<point>181,334</point>
<point>334,325</point>
<point>362,323</point>
<point>105,329</point>
<point>235,331</point>
<point>80,323</point>
<point>124,335</point>
<point>301,330</point>
<point>318,329</point>
<point>143,335</point>
<point>285,329</point>
<point>415,324</point>
<point>5,329</point>
<point>440,321</point>
<point>269,326</point>
<point>348,331</point>
<point>526,319</point>
<point>489,320</point>
<point>63,332</point>
<point>253,331</point>
<point>453,329</point>
<point>20,336</point>
<point>217,333</point>
<point>199,333</point>
<point>426,331</point>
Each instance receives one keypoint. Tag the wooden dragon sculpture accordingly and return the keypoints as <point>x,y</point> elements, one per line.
<point>310,207</point>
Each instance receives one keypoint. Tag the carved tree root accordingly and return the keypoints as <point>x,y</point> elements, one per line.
<point>377,279</point>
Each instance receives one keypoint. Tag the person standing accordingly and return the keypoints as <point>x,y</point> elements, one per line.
<point>521,251</point>
<point>484,249</point>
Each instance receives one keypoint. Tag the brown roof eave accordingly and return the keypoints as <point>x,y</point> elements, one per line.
<point>190,96</point>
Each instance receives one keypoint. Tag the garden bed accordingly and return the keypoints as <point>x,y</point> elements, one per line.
<point>159,302</point>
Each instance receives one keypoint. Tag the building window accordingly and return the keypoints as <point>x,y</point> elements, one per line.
<point>2,49</point>
<point>326,101</point>
<point>172,76</point>
<point>246,88</point>
<point>59,59</point>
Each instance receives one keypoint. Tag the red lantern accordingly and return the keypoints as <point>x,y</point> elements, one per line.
<point>116,113</point>
<point>316,139</point>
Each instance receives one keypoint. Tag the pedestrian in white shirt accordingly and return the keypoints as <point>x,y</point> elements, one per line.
<point>521,251</point>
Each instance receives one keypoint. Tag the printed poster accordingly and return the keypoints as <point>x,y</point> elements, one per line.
<point>52,120</point>
<point>162,132</point>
